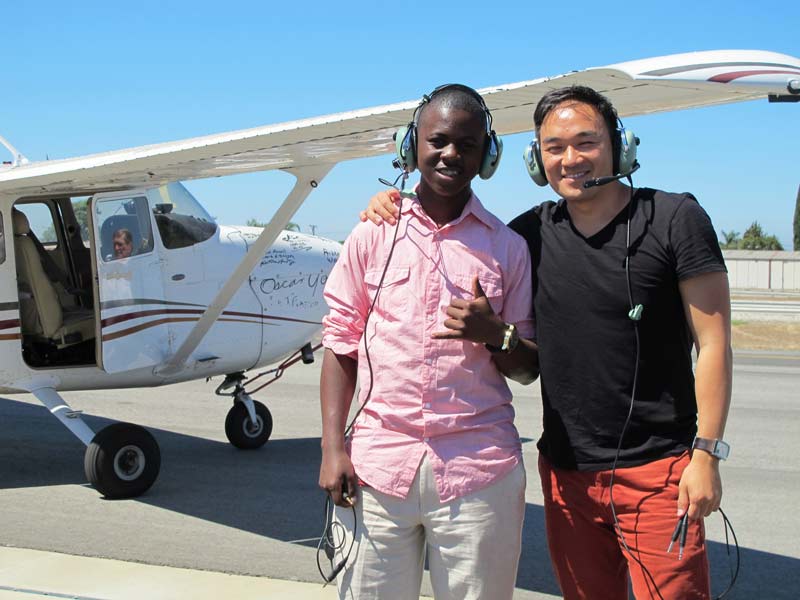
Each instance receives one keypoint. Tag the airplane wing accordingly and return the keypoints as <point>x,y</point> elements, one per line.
<point>638,87</point>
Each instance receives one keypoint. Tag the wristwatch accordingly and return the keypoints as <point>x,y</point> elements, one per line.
<point>716,448</point>
<point>510,340</point>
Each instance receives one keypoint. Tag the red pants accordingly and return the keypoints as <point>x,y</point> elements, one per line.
<point>587,554</point>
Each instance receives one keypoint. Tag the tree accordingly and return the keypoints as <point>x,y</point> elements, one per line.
<point>755,239</point>
<point>732,240</point>
<point>797,221</point>
<point>82,216</point>
<point>290,226</point>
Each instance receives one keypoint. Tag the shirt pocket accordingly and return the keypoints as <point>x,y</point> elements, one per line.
<point>491,283</point>
<point>395,293</point>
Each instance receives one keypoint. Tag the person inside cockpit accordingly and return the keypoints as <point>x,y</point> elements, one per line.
<point>123,243</point>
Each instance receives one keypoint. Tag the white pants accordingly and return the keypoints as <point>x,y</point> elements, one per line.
<point>473,543</point>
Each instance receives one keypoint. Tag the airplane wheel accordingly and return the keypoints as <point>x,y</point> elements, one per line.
<point>241,432</point>
<point>122,461</point>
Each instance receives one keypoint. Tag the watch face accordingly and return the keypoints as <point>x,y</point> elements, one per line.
<point>721,450</point>
<point>716,448</point>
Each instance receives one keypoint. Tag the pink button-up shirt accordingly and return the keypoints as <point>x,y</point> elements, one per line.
<point>445,398</point>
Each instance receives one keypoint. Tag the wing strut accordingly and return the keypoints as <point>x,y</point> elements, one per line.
<point>307,179</point>
<point>19,159</point>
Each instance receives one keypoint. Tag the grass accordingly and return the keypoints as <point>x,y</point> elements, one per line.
<point>766,335</point>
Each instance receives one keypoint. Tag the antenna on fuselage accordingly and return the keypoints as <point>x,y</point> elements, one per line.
<point>19,157</point>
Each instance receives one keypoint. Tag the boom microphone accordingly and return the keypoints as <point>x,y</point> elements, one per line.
<point>604,180</point>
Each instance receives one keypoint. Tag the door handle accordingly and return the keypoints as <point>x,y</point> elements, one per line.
<point>178,277</point>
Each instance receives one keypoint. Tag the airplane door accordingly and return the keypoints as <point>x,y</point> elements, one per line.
<point>132,307</point>
<point>195,263</point>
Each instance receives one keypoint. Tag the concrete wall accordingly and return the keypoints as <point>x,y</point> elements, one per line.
<point>763,270</point>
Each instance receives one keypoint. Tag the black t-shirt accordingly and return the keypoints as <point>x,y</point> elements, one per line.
<point>587,343</point>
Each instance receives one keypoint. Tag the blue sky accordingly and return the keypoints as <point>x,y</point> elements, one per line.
<point>84,77</point>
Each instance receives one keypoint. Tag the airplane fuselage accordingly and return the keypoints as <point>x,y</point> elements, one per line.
<point>146,303</point>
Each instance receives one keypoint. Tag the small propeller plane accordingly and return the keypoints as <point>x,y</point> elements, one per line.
<point>160,293</point>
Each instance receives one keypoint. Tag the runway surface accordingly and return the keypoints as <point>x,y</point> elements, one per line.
<point>215,508</point>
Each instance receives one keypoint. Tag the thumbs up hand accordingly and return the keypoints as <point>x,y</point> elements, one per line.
<point>477,289</point>
<point>472,320</point>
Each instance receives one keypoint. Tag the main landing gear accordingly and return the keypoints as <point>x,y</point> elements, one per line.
<point>122,460</point>
<point>249,423</point>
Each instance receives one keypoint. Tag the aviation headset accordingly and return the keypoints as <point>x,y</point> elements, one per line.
<point>623,141</point>
<point>406,137</point>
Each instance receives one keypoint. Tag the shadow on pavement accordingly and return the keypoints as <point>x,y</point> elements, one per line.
<point>273,492</point>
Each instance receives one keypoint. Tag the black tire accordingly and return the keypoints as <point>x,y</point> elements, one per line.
<point>122,461</point>
<point>240,430</point>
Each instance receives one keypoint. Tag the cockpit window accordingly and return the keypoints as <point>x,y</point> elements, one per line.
<point>125,229</point>
<point>180,219</point>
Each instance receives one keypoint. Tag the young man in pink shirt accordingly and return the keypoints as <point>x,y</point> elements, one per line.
<point>434,459</point>
<point>629,455</point>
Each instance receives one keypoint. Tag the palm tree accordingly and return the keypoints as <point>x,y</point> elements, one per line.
<point>731,240</point>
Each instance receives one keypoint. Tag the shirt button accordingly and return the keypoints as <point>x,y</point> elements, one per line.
<point>426,439</point>
<point>426,405</point>
<point>429,361</point>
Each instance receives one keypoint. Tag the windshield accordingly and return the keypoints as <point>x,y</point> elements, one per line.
<point>181,220</point>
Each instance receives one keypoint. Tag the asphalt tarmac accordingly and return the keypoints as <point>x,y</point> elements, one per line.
<point>258,513</point>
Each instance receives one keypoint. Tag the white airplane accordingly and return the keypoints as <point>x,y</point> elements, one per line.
<point>159,293</point>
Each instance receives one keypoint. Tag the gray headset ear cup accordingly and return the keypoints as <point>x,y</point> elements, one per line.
<point>627,151</point>
<point>533,163</point>
<point>405,145</point>
<point>491,156</point>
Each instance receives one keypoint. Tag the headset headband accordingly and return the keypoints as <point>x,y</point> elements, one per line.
<point>406,137</point>
<point>427,98</point>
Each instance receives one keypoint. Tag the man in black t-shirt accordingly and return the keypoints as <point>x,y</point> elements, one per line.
<point>625,282</point>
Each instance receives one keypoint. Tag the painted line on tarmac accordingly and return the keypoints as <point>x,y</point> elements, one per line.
<point>5,588</point>
<point>766,355</point>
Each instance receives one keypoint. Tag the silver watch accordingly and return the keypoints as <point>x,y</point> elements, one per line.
<point>716,448</point>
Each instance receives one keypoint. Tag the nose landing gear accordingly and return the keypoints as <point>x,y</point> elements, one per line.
<point>249,423</point>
